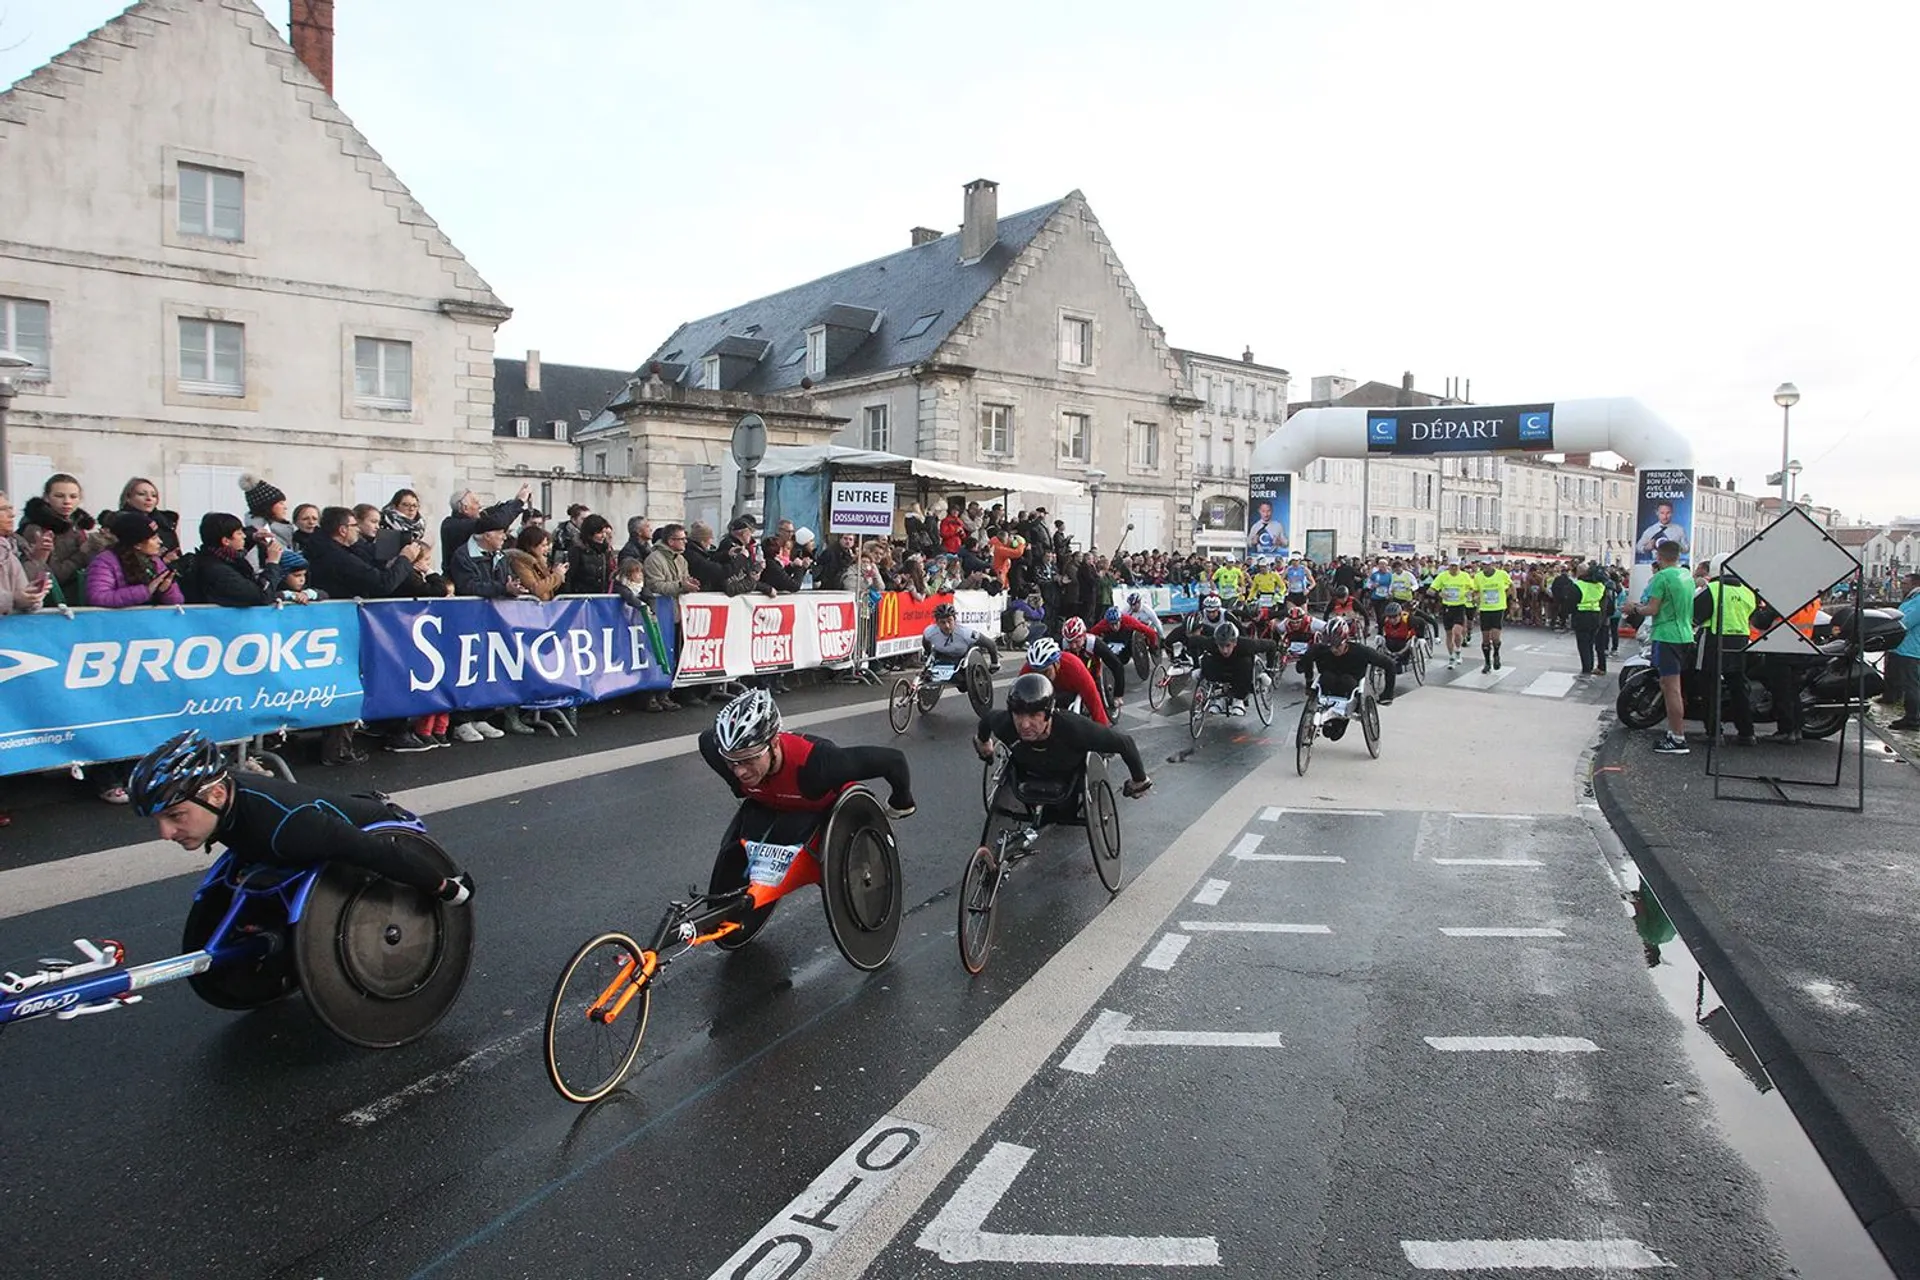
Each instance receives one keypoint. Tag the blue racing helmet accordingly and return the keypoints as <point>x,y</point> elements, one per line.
<point>1113,615</point>
<point>1133,600</point>
<point>178,769</point>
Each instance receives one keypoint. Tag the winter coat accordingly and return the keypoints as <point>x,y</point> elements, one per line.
<point>455,530</point>
<point>541,581</point>
<point>589,570</point>
<point>14,583</point>
<point>345,575</point>
<point>207,577</point>
<point>109,587</point>
<point>479,572</point>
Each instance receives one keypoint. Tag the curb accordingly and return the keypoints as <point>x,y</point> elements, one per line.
<point>1877,1170</point>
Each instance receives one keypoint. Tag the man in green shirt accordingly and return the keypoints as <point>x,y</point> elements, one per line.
<point>1491,584</point>
<point>1669,600</point>
<point>1455,590</point>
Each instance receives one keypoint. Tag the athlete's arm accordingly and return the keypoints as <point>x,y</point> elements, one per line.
<point>1084,736</point>
<point>830,767</point>
<point>315,832</point>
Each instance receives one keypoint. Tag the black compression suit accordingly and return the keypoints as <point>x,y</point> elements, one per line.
<point>1234,671</point>
<point>1341,673</point>
<point>283,824</point>
<point>1044,770</point>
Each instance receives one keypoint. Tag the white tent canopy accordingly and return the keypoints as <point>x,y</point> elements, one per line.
<point>788,459</point>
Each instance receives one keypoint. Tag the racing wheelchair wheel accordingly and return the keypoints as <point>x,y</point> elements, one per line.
<point>596,1018</point>
<point>979,687</point>
<point>381,962</point>
<point>1103,822</point>
<point>860,880</point>
<point>1369,718</point>
<point>1197,713</point>
<point>1418,662</point>
<point>1157,681</point>
<point>1263,696</point>
<point>1376,680</point>
<point>900,705</point>
<point>979,895</point>
<point>235,986</point>
<point>1303,736</point>
<point>1142,656</point>
<point>929,695</point>
<point>990,771</point>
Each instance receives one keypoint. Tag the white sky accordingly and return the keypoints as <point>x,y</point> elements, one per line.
<point>1684,202</point>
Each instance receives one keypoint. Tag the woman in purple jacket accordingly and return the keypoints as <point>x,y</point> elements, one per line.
<point>132,572</point>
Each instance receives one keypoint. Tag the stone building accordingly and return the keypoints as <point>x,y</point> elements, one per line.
<point>1376,506</point>
<point>1017,344</point>
<point>1724,519</point>
<point>215,273</point>
<point>539,408</point>
<point>1239,402</point>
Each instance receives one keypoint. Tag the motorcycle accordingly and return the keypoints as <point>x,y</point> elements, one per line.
<point>1830,688</point>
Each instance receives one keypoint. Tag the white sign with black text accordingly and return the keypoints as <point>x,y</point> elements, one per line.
<point>860,507</point>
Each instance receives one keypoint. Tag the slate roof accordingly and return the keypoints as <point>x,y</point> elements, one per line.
<point>903,287</point>
<point>570,391</point>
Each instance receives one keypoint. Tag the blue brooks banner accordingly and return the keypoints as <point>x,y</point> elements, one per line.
<point>107,684</point>
<point>1467,428</point>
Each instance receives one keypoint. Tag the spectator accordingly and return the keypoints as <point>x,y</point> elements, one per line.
<point>457,528</point>
<point>293,580</point>
<point>838,566</point>
<point>639,543</point>
<point>704,559</point>
<point>402,516</point>
<point>306,521</point>
<point>569,531</point>
<point>743,557</point>
<point>143,496</point>
<point>219,572</point>
<point>804,557</point>
<point>343,574</point>
<point>665,570</point>
<point>76,538</point>
<point>953,528</point>
<point>266,511</point>
<point>590,561</point>
<point>133,573</point>
<point>479,568</point>
<point>527,562</point>
<point>777,576</point>
<point>1908,651</point>
<point>32,547</point>
<point>20,591</point>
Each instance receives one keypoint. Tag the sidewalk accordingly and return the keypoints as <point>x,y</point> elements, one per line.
<point>1807,923</point>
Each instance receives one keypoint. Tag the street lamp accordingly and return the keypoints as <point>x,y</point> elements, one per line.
<point>1094,476</point>
<point>9,361</point>
<point>1786,395</point>
<point>1793,479</point>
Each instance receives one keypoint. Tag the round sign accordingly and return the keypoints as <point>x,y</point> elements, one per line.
<point>750,440</point>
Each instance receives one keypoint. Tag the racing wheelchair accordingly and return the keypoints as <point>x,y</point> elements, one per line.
<point>598,1012</point>
<point>1205,693</point>
<point>921,690</point>
<point>1018,810</point>
<point>1327,714</point>
<point>379,962</point>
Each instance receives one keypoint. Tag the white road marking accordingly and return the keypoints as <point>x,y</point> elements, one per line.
<point>807,1229</point>
<point>1487,862</point>
<point>1512,1044</point>
<point>1111,1030</point>
<point>1245,845</point>
<point>1479,679</point>
<point>1503,933</point>
<point>1211,892</point>
<point>471,1065</point>
<point>1290,857</point>
<point>1495,817</point>
<point>1339,813</point>
<point>1544,1255</point>
<point>956,1235</point>
<point>1249,926</point>
<point>1270,813</point>
<point>1550,684</point>
<point>1166,951</point>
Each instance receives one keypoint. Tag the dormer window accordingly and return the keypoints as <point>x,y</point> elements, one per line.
<point>523,427</point>
<point>817,350</point>
<point>710,373</point>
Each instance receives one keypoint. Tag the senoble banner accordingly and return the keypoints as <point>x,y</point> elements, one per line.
<point>107,684</point>
<point>1269,513</point>
<point>420,656</point>
<point>901,619</point>
<point>1477,428</point>
<point>730,637</point>
<point>1665,513</point>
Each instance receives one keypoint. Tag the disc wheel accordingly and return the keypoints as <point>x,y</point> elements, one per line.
<point>1197,713</point>
<point>1157,681</point>
<point>860,880</point>
<point>238,986</point>
<point>1370,725</point>
<point>900,705</point>
<point>594,1026</point>
<point>979,895</point>
<point>1263,697</point>
<point>1103,825</point>
<point>1303,735</point>
<point>979,688</point>
<point>1419,662</point>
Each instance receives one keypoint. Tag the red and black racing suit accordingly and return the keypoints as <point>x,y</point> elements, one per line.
<point>789,803</point>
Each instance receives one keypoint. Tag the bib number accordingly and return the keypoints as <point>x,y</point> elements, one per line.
<point>943,671</point>
<point>767,864</point>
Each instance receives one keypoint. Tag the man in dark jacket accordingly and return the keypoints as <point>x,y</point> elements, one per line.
<point>479,568</point>
<point>220,573</point>
<point>639,543</point>
<point>705,560</point>
<point>343,574</point>
<point>458,527</point>
<point>1565,594</point>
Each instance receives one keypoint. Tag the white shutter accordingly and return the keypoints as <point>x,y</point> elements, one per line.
<point>198,490</point>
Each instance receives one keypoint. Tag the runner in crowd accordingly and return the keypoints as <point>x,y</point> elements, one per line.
<point>1455,590</point>
<point>1491,585</point>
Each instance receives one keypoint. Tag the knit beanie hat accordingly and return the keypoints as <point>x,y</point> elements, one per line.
<point>261,496</point>
<point>131,528</point>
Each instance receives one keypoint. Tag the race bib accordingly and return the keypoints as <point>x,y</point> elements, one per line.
<point>1490,597</point>
<point>767,864</point>
<point>1266,600</point>
<point>943,671</point>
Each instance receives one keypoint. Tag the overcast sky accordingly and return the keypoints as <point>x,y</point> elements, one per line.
<point>1685,203</point>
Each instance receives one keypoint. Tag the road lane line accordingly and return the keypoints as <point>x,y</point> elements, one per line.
<point>1503,933</point>
<point>1487,862</point>
<point>1543,1255</point>
<point>1550,684</point>
<point>1111,1030</point>
<point>1271,813</point>
<point>1245,845</point>
<point>1289,857</point>
<point>1211,892</point>
<point>1249,926</point>
<point>1166,951</point>
<point>471,1065</point>
<point>956,1232</point>
<point>1339,813</point>
<point>1496,817</point>
<point>1512,1044</point>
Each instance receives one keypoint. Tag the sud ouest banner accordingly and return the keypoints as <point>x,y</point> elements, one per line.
<point>109,684</point>
<point>421,656</point>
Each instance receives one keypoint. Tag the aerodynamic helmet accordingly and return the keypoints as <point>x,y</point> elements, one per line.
<point>178,769</point>
<point>1043,653</point>
<point>945,613</point>
<point>1031,692</point>
<point>747,725</point>
<point>1225,634</point>
<point>1072,631</point>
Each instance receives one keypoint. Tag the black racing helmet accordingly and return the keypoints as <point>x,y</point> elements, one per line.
<point>945,613</point>
<point>1031,692</point>
<point>1226,633</point>
<point>178,769</point>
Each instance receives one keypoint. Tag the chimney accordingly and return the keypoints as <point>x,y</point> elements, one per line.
<point>981,228</point>
<point>1406,381</point>
<point>533,369</point>
<point>1579,460</point>
<point>1246,357</point>
<point>923,235</point>
<point>312,26</point>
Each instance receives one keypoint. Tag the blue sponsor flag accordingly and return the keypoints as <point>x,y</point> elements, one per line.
<point>1382,430</point>
<point>1535,426</point>
<point>110,684</point>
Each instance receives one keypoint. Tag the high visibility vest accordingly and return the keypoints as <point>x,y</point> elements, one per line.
<point>1591,594</point>
<point>1732,607</point>
<point>1802,620</point>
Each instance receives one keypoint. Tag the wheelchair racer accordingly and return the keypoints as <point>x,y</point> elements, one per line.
<point>1048,748</point>
<point>1342,663</point>
<point>1087,645</point>
<point>1067,676</point>
<point>785,782</point>
<point>1192,633</point>
<point>186,785</point>
<point>1141,612</point>
<point>1397,632</point>
<point>1229,666</point>
<point>947,641</point>
<point>1298,630</point>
